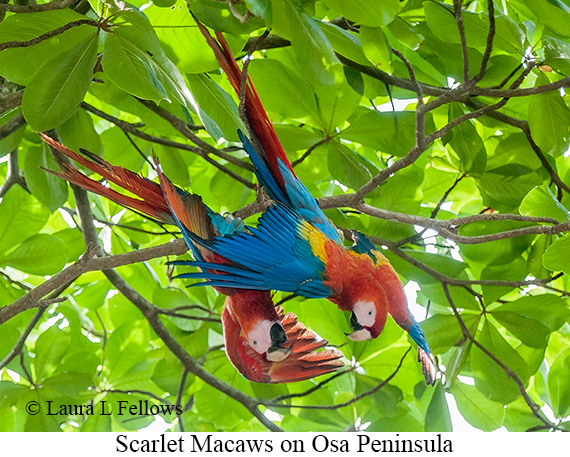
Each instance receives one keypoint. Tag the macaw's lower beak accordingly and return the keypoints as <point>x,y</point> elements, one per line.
<point>278,354</point>
<point>359,335</point>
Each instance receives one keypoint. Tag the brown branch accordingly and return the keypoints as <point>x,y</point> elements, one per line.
<point>12,125</point>
<point>489,45</point>
<point>50,34</point>
<point>457,5</point>
<point>13,175</point>
<point>37,8</point>
<point>17,349</point>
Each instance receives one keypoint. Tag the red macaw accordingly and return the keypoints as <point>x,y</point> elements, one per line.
<point>261,342</point>
<point>303,252</point>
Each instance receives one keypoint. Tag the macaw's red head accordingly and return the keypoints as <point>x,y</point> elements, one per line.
<point>297,358</point>
<point>369,310</point>
<point>259,323</point>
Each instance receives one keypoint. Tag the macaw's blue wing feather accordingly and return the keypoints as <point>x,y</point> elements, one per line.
<point>292,194</point>
<point>273,256</point>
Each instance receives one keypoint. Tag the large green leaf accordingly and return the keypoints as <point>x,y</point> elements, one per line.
<point>47,188</point>
<point>59,86</point>
<point>476,408</point>
<point>555,258</point>
<point>347,166</point>
<point>467,144</point>
<point>553,16</point>
<point>221,107</point>
<point>490,378</point>
<point>21,216</point>
<point>392,133</point>
<point>310,45</point>
<point>438,418</point>
<point>558,387</point>
<point>130,69</point>
<point>540,201</point>
<point>549,120</point>
<point>40,255</point>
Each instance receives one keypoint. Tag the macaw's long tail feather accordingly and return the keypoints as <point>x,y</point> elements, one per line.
<point>150,202</point>
<point>259,123</point>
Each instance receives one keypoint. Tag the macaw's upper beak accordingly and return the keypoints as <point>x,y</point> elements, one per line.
<point>359,332</point>
<point>276,352</point>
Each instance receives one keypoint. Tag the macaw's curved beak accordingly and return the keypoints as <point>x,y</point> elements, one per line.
<point>276,352</point>
<point>359,333</point>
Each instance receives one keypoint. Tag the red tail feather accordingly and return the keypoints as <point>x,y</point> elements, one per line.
<point>257,117</point>
<point>152,201</point>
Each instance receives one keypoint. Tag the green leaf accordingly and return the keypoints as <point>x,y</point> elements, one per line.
<point>437,416</point>
<point>21,216</point>
<point>310,44</point>
<point>528,330</point>
<point>549,120</point>
<point>130,69</point>
<point>548,14</point>
<point>56,90</point>
<point>9,143</point>
<point>221,107</point>
<point>467,144</point>
<point>558,385</point>
<point>347,166</point>
<point>345,43</point>
<point>513,271</point>
<point>372,13</point>
<point>540,201</point>
<point>50,348</point>
<point>295,98</point>
<point>476,408</point>
<point>556,257</point>
<point>38,255</point>
<point>388,132</point>
<point>443,331</point>
<point>79,132</point>
<point>47,188</point>
<point>490,378</point>
<point>548,309</point>
<point>557,54</point>
<point>376,47</point>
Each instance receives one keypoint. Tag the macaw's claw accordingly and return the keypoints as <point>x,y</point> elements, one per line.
<point>429,366</point>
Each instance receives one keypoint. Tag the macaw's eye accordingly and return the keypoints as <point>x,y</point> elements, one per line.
<point>370,313</point>
<point>254,342</point>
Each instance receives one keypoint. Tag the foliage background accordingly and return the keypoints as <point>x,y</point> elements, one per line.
<point>464,180</point>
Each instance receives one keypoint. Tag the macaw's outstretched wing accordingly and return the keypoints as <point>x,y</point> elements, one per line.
<point>285,253</point>
<point>306,359</point>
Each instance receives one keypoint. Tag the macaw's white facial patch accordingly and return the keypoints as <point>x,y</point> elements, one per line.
<point>259,338</point>
<point>365,312</point>
<point>360,335</point>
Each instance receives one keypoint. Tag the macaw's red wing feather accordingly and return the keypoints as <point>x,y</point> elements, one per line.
<point>151,202</point>
<point>304,361</point>
<point>258,120</point>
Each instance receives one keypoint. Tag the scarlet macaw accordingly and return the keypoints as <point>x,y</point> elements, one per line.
<point>303,252</point>
<point>264,344</point>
